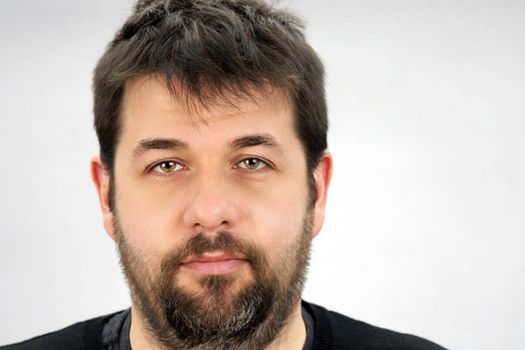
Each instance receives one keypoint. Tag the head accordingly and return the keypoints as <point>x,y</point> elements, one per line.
<point>213,170</point>
<point>210,50</point>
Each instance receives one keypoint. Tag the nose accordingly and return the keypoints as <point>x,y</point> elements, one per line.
<point>211,205</point>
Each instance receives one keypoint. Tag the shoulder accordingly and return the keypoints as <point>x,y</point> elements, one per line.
<point>79,336</point>
<point>339,332</point>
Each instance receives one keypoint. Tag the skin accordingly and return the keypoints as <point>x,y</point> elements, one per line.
<point>211,187</point>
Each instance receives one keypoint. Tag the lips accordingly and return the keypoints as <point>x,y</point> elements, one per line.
<point>214,264</point>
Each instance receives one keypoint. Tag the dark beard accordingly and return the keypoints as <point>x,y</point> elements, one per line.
<point>251,319</point>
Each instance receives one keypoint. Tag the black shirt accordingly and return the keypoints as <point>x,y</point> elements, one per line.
<point>115,334</point>
<point>331,331</point>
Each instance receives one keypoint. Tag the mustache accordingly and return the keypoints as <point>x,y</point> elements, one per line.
<point>224,241</point>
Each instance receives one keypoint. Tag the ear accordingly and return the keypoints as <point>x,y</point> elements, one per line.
<point>322,176</point>
<point>101,179</point>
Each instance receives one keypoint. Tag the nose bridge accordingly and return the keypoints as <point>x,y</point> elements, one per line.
<point>211,206</point>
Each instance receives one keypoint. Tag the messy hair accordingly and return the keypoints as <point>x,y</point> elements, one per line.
<point>206,50</point>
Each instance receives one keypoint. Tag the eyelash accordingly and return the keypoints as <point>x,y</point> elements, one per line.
<point>238,165</point>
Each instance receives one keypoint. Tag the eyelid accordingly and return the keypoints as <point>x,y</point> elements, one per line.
<point>267,164</point>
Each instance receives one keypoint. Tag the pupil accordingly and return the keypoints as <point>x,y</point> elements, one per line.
<point>167,166</point>
<point>252,163</point>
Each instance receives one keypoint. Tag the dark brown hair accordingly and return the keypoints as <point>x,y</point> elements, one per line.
<point>209,49</point>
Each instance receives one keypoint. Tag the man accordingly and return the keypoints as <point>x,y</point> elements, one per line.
<point>212,178</point>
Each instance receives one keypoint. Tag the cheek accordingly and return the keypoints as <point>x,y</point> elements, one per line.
<point>280,222</point>
<point>145,218</point>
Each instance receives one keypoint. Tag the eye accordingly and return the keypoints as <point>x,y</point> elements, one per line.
<point>252,164</point>
<point>167,167</point>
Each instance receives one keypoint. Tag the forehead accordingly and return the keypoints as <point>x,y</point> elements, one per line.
<point>152,96</point>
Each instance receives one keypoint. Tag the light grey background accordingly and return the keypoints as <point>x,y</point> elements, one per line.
<point>425,223</point>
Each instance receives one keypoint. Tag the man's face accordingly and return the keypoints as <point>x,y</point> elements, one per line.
<point>212,211</point>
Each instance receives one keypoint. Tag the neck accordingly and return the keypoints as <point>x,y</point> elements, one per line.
<point>292,336</point>
<point>139,335</point>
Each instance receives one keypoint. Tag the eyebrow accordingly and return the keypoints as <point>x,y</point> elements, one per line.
<point>157,144</point>
<point>174,144</point>
<point>256,140</point>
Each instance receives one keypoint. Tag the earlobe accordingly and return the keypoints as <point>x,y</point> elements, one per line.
<point>101,179</point>
<point>322,177</point>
